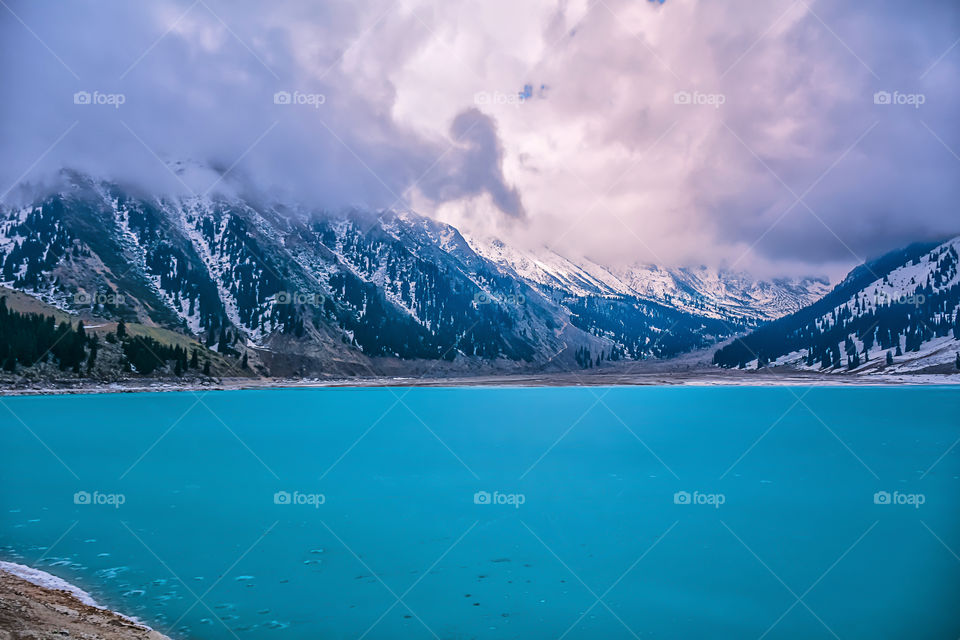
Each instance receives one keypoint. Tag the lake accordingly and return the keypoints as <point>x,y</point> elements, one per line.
<point>629,512</point>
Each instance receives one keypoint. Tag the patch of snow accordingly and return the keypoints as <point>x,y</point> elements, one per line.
<point>701,291</point>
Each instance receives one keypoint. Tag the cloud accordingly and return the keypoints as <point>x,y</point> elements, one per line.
<point>279,103</point>
<point>476,166</point>
<point>778,158</point>
<point>781,106</point>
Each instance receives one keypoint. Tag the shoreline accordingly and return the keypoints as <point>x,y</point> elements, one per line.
<point>606,379</point>
<point>34,601</point>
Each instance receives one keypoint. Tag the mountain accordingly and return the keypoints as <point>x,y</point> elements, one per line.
<point>699,291</point>
<point>896,314</point>
<point>292,291</point>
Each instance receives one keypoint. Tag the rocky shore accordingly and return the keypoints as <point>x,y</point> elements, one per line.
<point>36,605</point>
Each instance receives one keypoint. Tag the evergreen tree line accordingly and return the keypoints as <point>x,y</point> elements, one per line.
<point>642,329</point>
<point>29,338</point>
<point>586,359</point>
<point>145,355</point>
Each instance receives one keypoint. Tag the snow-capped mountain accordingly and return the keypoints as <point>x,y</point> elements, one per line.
<point>304,292</point>
<point>897,314</point>
<point>700,290</point>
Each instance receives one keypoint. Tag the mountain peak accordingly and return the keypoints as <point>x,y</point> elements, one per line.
<point>700,289</point>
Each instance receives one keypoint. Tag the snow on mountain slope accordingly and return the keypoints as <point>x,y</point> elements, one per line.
<point>901,283</point>
<point>550,269</point>
<point>701,290</point>
<point>897,314</point>
<point>724,293</point>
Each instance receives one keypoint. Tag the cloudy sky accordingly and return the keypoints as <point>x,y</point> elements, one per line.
<point>783,137</point>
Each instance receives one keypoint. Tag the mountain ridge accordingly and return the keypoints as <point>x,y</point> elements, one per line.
<point>702,290</point>
<point>303,292</point>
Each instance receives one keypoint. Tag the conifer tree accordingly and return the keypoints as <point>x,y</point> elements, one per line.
<point>75,351</point>
<point>92,358</point>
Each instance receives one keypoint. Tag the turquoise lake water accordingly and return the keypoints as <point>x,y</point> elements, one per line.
<point>649,512</point>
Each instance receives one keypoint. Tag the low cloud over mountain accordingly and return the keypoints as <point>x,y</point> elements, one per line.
<point>792,137</point>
